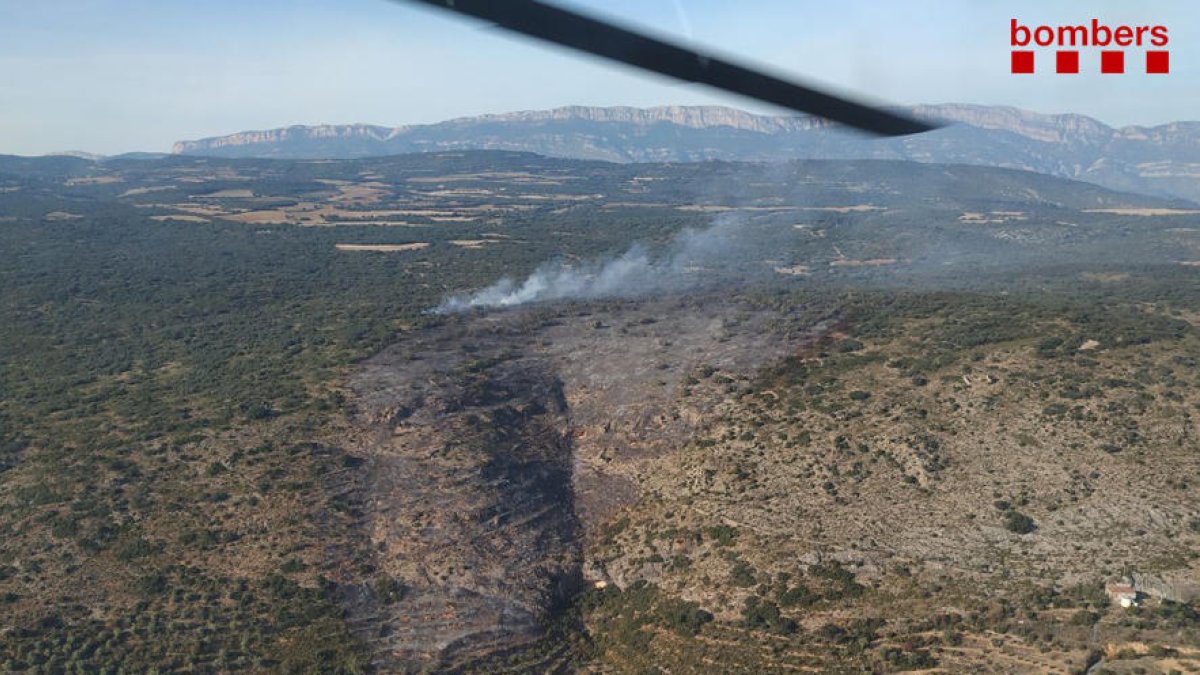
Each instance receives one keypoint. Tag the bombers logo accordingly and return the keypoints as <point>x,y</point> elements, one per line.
<point>1068,39</point>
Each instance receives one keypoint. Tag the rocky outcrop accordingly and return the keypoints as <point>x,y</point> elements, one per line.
<point>283,136</point>
<point>692,117</point>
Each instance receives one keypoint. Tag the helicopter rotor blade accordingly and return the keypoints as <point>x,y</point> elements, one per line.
<point>577,31</point>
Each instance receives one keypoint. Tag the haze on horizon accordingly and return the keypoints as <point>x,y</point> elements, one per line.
<point>110,76</point>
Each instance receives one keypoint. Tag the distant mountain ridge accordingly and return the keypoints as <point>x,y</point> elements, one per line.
<point>1161,160</point>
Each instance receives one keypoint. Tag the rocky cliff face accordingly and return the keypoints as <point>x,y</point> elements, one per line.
<point>285,135</point>
<point>1162,160</point>
<point>692,117</point>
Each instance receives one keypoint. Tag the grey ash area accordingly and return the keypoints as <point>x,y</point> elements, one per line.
<point>499,443</point>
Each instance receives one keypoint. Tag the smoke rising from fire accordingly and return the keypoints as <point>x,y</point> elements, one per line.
<point>691,259</point>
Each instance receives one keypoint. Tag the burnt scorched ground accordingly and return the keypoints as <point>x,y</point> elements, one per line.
<point>498,444</point>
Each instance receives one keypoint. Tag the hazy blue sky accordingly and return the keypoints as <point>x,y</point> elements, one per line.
<point>117,75</point>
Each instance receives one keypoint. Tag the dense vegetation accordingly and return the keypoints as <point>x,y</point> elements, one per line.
<point>163,383</point>
<point>168,386</point>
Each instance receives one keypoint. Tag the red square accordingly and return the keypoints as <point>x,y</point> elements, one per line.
<point>1066,62</point>
<point>1112,62</point>
<point>1022,62</point>
<point>1158,62</point>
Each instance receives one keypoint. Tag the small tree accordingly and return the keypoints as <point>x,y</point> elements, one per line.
<point>1018,522</point>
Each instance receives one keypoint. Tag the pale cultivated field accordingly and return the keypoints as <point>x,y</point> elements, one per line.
<point>993,217</point>
<point>844,209</point>
<point>195,209</point>
<point>716,208</point>
<point>507,176</point>
<point>93,180</point>
<point>794,270</point>
<point>383,248</point>
<point>308,213</point>
<point>362,193</point>
<point>146,190</point>
<point>274,217</point>
<point>634,205</point>
<point>61,215</point>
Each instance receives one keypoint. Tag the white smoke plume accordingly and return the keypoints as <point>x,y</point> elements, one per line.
<point>689,260</point>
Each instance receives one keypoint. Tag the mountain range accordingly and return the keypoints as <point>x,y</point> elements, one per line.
<point>1160,160</point>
